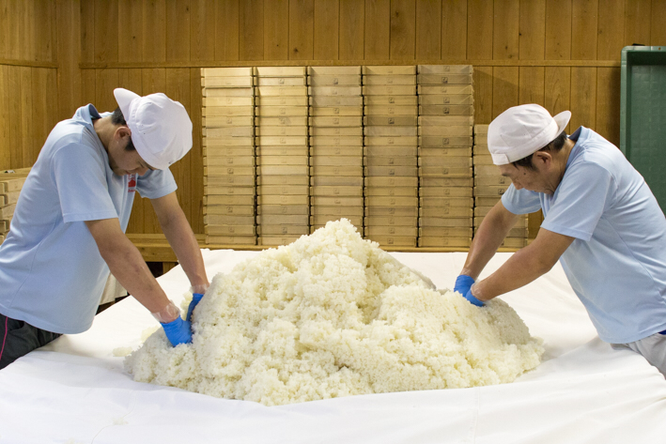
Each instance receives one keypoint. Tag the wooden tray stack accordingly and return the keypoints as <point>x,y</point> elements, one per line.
<point>11,182</point>
<point>229,158</point>
<point>336,145</point>
<point>446,119</point>
<point>283,183</point>
<point>391,176</point>
<point>489,185</point>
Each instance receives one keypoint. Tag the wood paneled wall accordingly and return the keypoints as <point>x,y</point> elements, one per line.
<point>564,54</point>
<point>28,91</point>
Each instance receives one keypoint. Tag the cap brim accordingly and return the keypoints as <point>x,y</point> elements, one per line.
<point>124,97</point>
<point>562,120</point>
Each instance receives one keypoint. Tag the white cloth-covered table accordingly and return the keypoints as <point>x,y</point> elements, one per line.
<point>76,391</point>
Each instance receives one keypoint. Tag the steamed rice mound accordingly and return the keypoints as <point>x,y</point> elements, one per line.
<point>334,315</point>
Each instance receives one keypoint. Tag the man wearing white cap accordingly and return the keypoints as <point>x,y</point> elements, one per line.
<point>600,220</point>
<point>68,229</point>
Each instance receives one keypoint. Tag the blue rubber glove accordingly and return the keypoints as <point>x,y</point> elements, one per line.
<point>463,284</point>
<point>196,298</point>
<point>472,300</point>
<point>178,331</point>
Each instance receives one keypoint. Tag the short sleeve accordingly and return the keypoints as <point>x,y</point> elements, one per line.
<point>156,183</point>
<point>80,179</point>
<point>582,197</point>
<point>520,201</point>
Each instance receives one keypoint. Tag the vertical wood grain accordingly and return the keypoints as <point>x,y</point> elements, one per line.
<point>584,25</point>
<point>506,30</point>
<point>251,30</point>
<point>657,29</point>
<point>276,30</point>
<point>130,33</point>
<point>25,116</point>
<point>26,48</point>
<point>352,19</point>
<point>227,29</point>
<point>106,28</point>
<point>301,29</point>
<point>610,32</point>
<point>558,29</point>
<point>637,22</point>
<point>196,184</point>
<point>87,31</point>
<point>557,90</point>
<point>607,121</point>
<point>203,25</point>
<point>483,94</point>
<point>403,30</point>
<point>583,97</point>
<point>428,29</point>
<point>480,29</point>
<point>326,28</point>
<point>454,30</point>
<point>5,121</point>
<point>154,31</point>
<point>68,54</point>
<point>505,89</point>
<point>532,85</point>
<point>107,80</point>
<point>532,32</point>
<point>178,37</point>
<point>377,29</point>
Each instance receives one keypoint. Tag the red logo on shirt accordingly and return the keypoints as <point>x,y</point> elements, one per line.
<point>131,184</point>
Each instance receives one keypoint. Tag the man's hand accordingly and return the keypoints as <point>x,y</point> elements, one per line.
<point>473,300</point>
<point>196,298</point>
<point>463,284</point>
<point>178,331</point>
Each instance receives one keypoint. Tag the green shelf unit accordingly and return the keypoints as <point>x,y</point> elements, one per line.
<point>643,114</point>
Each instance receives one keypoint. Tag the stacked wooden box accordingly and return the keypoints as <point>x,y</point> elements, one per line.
<point>229,157</point>
<point>336,145</point>
<point>489,185</point>
<point>283,184</point>
<point>446,118</point>
<point>391,176</point>
<point>11,182</point>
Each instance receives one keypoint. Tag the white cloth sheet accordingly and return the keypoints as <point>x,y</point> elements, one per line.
<point>76,391</point>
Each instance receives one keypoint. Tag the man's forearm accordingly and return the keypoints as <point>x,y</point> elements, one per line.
<point>127,265</point>
<point>489,237</point>
<point>184,244</point>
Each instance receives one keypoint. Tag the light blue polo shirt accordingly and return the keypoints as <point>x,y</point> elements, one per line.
<point>617,262</point>
<point>51,273</point>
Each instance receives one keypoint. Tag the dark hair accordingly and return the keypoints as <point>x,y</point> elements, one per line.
<point>556,145</point>
<point>117,118</point>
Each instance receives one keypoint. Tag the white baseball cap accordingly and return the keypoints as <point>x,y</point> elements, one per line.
<point>161,128</point>
<point>522,130</point>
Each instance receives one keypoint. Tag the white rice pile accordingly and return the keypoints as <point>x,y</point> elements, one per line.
<point>334,315</point>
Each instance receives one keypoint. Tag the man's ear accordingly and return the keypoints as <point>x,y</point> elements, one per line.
<point>123,131</point>
<point>542,158</point>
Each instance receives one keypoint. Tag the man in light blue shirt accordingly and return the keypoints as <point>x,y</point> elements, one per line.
<point>600,220</point>
<point>68,230</point>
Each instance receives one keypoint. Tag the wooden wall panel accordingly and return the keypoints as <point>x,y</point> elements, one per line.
<point>204,23</point>
<point>301,29</point>
<point>352,26</point>
<point>428,29</point>
<point>506,30</point>
<point>480,29</point>
<point>326,29</point>
<point>454,30</point>
<point>377,30</point>
<point>532,29</point>
<point>637,19</point>
<point>56,56</point>
<point>402,30</point>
